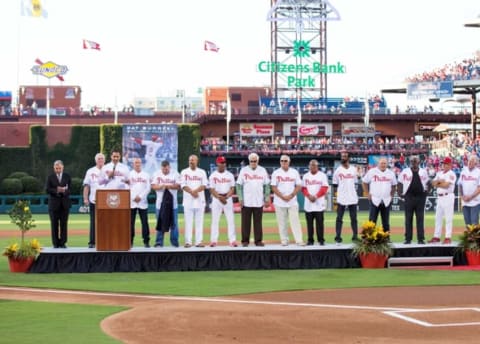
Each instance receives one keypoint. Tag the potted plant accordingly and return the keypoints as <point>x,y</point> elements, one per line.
<point>21,255</point>
<point>374,246</point>
<point>469,243</point>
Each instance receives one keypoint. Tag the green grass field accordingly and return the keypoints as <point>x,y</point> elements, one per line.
<point>43,317</point>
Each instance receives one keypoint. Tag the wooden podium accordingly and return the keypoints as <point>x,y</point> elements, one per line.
<point>112,220</point>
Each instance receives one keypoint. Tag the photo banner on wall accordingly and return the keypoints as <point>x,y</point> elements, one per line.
<point>153,143</point>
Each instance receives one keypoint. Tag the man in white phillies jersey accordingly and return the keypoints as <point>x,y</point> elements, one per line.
<point>380,183</point>
<point>469,190</point>
<point>314,189</point>
<point>344,180</point>
<point>444,181</point>
<point>222,187</point>
<point>253,191</point>
<point>93,180</point>
<point>193,181</point>
<point>139,189</point>
<point>285,184</point>
<point>116,172</point>
<point>166,180</point>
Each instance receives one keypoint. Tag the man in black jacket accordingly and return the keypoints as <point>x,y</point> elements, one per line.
<point>57,187</point>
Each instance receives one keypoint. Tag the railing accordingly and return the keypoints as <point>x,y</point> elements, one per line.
<point>314,148</point>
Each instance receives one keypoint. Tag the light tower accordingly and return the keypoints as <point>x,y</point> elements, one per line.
<point>299,38</point>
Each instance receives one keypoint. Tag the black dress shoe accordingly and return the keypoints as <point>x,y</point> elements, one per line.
<point>421,242</point>
<point>63,246</point>
<point>147,245</point>
<point>309,243</point>
<point>407,242</point>
<point>259,244</point>
<point>91,245</point>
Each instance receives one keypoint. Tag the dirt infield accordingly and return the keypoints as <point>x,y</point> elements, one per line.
<point>374,315</point>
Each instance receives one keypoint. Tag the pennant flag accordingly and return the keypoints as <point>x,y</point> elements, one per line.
<point>33,8</point>
<point>90,45</point>
<point>210,46</point>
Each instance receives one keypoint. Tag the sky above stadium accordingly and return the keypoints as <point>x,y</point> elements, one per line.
<point>152,48</point>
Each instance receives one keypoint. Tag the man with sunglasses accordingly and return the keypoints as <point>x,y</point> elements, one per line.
<point>253,191</point>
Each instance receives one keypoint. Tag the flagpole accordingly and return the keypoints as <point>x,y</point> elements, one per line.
<point>229,118</point>
<point>48,105</point>
<point>17,91</point>
<point>115,112</point>
<point>299,118</point>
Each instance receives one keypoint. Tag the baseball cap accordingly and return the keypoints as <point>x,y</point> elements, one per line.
<point>221,160</point>
<point>447,160</point>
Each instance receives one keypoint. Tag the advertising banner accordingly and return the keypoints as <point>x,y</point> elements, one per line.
<point>434,89</point>
<point>257,129</point>
<point>308,129</point>
<point>358,130</point>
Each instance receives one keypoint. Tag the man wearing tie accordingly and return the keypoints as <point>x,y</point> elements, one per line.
<point>57,187</point>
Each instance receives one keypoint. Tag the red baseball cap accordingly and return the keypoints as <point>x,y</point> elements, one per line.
<point>447,160</point>
<point>221,160</point>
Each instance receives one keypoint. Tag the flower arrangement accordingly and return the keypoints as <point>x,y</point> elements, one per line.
<point>469,240</point>
<point>23,250</point>
<point>21,215</point>
<point>373,239</point>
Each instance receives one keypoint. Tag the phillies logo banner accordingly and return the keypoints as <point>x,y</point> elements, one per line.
<point>257,129</point>
<point>153,143</point>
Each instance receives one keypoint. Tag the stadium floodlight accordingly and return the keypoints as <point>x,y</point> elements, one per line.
<point>474,23</point>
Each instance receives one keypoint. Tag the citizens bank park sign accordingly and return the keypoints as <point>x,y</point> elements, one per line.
<point>301,49</point>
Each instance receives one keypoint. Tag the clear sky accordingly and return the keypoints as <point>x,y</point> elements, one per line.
<point>153,47</point>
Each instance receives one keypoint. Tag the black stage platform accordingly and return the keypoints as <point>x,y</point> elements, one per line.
<point>83,260</point>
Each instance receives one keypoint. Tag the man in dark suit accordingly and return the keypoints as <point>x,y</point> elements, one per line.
<point>57,186</point>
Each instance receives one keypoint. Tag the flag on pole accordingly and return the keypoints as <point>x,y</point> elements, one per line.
<point>33,8</point>
<point>90,45</point>
<point>229,107</point>
<point>366,119</point>
<point>210,46</point>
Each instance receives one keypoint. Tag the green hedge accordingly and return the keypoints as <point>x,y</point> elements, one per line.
<point>11,186</point>
<point>14,159</point>
<point>31,185</point>
<point>39,148</point>
<point>188,143</point>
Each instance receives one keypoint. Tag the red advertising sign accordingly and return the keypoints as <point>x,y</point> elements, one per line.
<point>257,129</point>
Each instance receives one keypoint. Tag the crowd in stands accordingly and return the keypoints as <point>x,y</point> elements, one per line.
<point>457,146</point>
<point>313,145</point>
<point>467,69</point>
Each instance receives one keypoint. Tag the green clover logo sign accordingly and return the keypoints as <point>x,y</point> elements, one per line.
<point>301,48</point>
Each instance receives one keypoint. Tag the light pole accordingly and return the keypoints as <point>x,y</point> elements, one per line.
<point>181,94</point>
<point>476,24</point>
